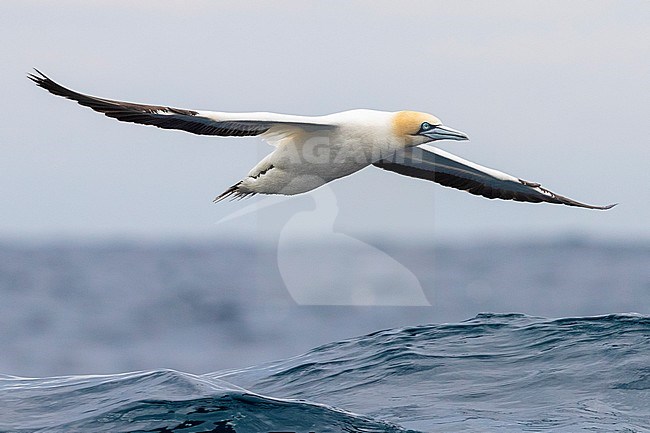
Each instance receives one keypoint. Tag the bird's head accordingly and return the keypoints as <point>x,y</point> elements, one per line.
<point>416,128</point>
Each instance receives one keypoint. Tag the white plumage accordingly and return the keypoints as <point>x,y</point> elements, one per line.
<point>313,150</point>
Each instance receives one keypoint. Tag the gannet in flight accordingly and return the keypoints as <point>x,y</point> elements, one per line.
<point>313,150</point>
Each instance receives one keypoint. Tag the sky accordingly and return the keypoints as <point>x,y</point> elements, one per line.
<point>555,92</point>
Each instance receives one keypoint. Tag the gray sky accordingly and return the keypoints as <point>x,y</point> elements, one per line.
<point>555,92</point>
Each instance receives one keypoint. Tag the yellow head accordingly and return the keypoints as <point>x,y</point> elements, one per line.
<point>416,128</point>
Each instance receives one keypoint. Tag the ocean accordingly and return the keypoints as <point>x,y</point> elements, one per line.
<point>222,337</point>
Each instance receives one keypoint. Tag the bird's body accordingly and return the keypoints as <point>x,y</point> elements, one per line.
<point>338,145</point>
<point>313,150</point>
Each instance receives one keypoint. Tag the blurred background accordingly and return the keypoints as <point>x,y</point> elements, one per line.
<point>114,258</point>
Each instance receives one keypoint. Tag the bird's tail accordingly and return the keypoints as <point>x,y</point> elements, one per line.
<point>235,192</point>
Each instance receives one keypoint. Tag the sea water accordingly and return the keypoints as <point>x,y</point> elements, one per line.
<point>219,345</point>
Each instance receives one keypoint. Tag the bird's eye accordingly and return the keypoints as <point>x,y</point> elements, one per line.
<point>425,126</point>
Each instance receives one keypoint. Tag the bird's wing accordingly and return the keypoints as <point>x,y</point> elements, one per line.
<point>193,121</point>
<point>430,163</point>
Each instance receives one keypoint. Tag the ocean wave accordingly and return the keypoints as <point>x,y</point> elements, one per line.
<point>162,401</point>
<point>505,371</point>
<point>494,372</point>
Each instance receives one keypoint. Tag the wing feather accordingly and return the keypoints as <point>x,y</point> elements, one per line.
<point>193,121</point>
<point>430,163</point>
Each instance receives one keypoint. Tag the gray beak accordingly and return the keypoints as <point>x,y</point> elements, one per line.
<point>442,132</point>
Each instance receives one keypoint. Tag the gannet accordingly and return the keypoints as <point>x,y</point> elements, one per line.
<point>313,150</point>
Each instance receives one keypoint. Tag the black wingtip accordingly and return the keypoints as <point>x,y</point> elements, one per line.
<point>39,80</point>
<point>589,206</point>
<point>33,76</point>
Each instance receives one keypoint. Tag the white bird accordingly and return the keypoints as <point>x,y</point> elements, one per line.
<point>313,150</point>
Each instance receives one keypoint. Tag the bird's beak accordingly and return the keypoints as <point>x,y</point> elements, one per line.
<point>442,132</point>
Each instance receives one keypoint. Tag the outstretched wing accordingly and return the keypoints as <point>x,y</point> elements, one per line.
<point>430,163</point>
<point>193,121</point>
